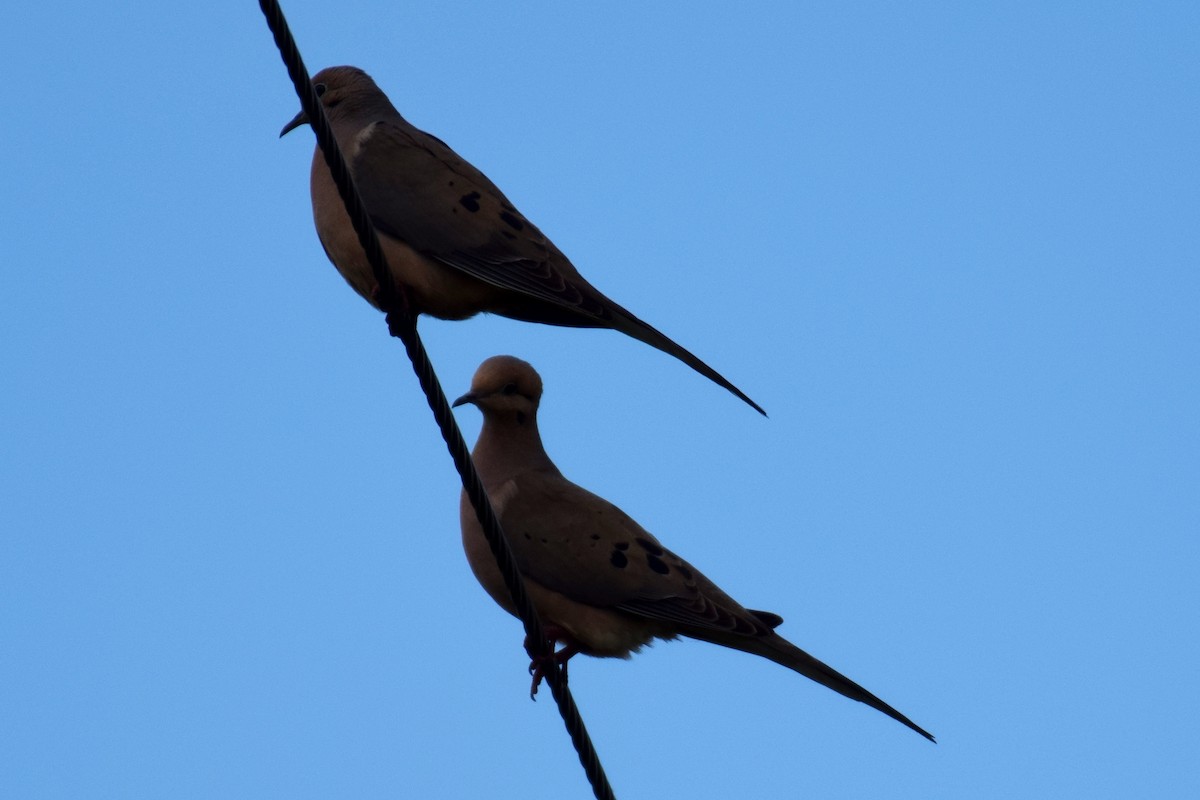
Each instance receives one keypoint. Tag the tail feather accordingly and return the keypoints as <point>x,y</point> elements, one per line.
<point>630,325</point>
<point>781,651</point>
<point>590,308</point>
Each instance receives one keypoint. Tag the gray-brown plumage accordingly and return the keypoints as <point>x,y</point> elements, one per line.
<point>601,584</point>
<point>448,233</point>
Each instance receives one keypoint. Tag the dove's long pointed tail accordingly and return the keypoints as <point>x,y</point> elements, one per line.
<point>632,326</point>
<point>781,651</point>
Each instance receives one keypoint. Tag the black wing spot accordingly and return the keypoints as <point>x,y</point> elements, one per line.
<point>657,564</point>
<point>512,221</point>
<point>650,547</point>
<point>470,201</point>
<point>618,559</point>
<point>596,536</point>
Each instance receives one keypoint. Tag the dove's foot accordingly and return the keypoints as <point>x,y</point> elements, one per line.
<point>397,310</point>
<point>540,665</point>
<point>399,323</point>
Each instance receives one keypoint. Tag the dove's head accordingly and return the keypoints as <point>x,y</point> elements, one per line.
<point>345,92</point>
<point>505,387</point>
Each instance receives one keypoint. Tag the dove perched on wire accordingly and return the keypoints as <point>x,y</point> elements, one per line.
<point>449,235</point>
<point>601,584</point>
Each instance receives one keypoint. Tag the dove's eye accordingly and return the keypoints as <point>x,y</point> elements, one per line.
<point>319,89</point>
<point>509,388</point>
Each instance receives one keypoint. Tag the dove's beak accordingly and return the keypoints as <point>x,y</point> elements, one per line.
<point>297,121</point>
<point>469,397</point>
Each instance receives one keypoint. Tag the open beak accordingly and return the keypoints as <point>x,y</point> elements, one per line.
<point>297,121</point>
<point>469,397</point>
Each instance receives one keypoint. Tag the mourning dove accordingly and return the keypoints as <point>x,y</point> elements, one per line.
<point>601,584</point>
<point>449,235</point>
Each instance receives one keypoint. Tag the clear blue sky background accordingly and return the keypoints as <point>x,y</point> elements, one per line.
<point>953,249</point>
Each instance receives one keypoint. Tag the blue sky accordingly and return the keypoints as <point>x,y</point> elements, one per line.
<point>951,248</point>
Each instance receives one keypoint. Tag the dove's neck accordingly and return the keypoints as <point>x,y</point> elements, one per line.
<point>507,449</point>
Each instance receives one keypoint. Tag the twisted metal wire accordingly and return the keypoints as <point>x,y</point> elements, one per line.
<point>403,325</point>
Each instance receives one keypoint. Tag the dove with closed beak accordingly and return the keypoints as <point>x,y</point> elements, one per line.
<point>449,234</point>
<point>601,584</point>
